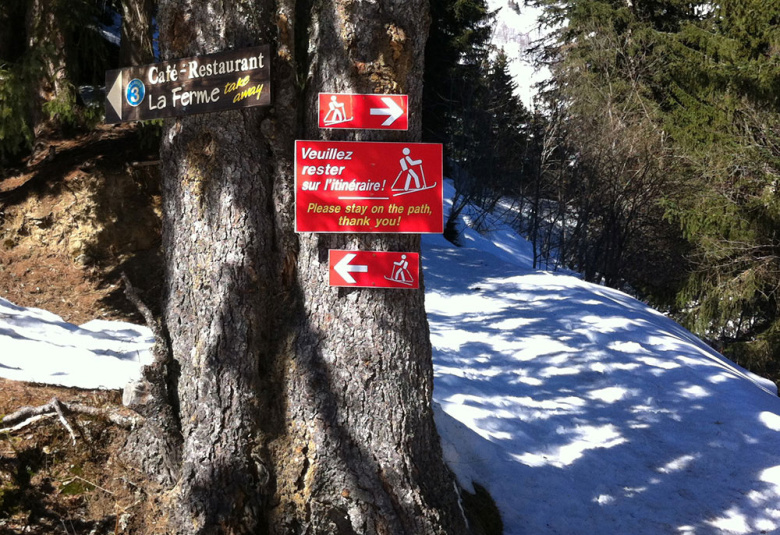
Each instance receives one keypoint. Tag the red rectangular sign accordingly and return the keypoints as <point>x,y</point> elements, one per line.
<point>367,187</point>
<point>368,112</point>
<point>374,269</point>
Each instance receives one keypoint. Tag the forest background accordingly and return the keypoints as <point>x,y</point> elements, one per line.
<point>649,162</point>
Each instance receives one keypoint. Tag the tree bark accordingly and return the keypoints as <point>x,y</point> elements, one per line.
<point>301,408</point>
<point>135,46</point>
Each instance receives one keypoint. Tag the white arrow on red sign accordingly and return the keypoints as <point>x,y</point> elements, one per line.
<point>393,111</point>
<point>344,268</point>
<point>363,111</point>
<point>374,269</point>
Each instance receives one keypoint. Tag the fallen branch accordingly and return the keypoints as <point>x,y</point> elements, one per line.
<point>27,422</point>
<point>58,408</point>
<point>29,415</point>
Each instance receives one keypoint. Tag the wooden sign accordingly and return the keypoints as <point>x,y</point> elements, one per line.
<point>374,269</point>
<point>367,112</point>
<point>215,82</point>
<point>368,187</point>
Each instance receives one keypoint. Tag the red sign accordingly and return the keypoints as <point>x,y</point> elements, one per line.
<point>369,112</point>
<point>349,186</point>
<point>367,269</point>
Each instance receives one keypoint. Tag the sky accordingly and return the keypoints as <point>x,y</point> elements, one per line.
<point>581,409</point>
<point>515,32</point>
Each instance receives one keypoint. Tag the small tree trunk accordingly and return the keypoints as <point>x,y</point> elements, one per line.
<point>135,47</point>
<point>46,41</point>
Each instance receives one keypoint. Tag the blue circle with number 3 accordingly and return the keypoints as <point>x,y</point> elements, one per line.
<point>135,92</point>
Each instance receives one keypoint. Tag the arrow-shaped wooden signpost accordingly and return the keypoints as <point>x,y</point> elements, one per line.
<point>216,82</point>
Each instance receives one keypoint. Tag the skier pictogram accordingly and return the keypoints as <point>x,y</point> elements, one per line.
<point>412,176</point>
<point>400,272</point>
<point>336,112</point>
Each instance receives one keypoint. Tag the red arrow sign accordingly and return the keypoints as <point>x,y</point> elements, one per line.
<point>349,186</point>
<point>367,112</point>
<point>374,269</point>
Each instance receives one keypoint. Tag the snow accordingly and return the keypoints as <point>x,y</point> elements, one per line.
<point>581,409</point>
<point>38,346</point>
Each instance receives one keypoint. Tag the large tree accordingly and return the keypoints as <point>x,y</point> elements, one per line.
<point>278,404</point>
<point>137,36</point>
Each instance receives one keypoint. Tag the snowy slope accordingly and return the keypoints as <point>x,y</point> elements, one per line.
<point>582,410</point>
<point>596,414</point>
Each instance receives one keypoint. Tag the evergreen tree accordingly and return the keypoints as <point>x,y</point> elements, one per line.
<point>602,57</point>
<point>722,107</point>
<point>281,405</point>
<point>456,49</point>
<point>53,47</point>
<point>701,79</point>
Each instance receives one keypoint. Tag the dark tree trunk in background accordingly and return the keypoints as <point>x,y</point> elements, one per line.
<point>300,408</point>
<point>136,43</point>
<point>46,39</point>
<point>12,27</point>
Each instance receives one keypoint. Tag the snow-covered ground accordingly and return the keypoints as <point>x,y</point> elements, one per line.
<point>38,346</point>
<point>581,410</point>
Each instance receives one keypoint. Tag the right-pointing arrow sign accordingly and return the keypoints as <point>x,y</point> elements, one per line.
<point>344,268</point>
<point>363,111</point>
<point>392,110</point>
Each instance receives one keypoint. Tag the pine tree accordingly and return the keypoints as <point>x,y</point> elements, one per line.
<point>706,77</point>
<point>282,405</point>
<point>455,52</point>
<point>721,96</point>
<point>603,61</point>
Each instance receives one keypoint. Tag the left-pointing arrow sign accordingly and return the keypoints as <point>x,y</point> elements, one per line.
<point>393,111</point>
<point>344,268</point>
<point>114,96</point>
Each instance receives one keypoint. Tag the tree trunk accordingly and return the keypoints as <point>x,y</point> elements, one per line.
<point>46,42</point>
<point>135,47</point>
<point>302,408</point>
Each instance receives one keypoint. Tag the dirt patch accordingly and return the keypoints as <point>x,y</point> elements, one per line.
<point>73,217</point>
<point>50,485</point>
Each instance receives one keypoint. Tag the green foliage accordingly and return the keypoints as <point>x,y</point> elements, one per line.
<point>469,104</point>
<point>64,49</point>
<point>15,131</point>
<point>150,133</point>
<point>703,81</point>
<point>457,46</point>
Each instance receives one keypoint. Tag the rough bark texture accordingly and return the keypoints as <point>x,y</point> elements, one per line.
<point>135,47</point>
<point>302,408</point>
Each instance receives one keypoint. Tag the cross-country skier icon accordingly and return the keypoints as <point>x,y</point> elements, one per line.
<point>336,112</point>
<point>401,273</point>
<point>412,175</point>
